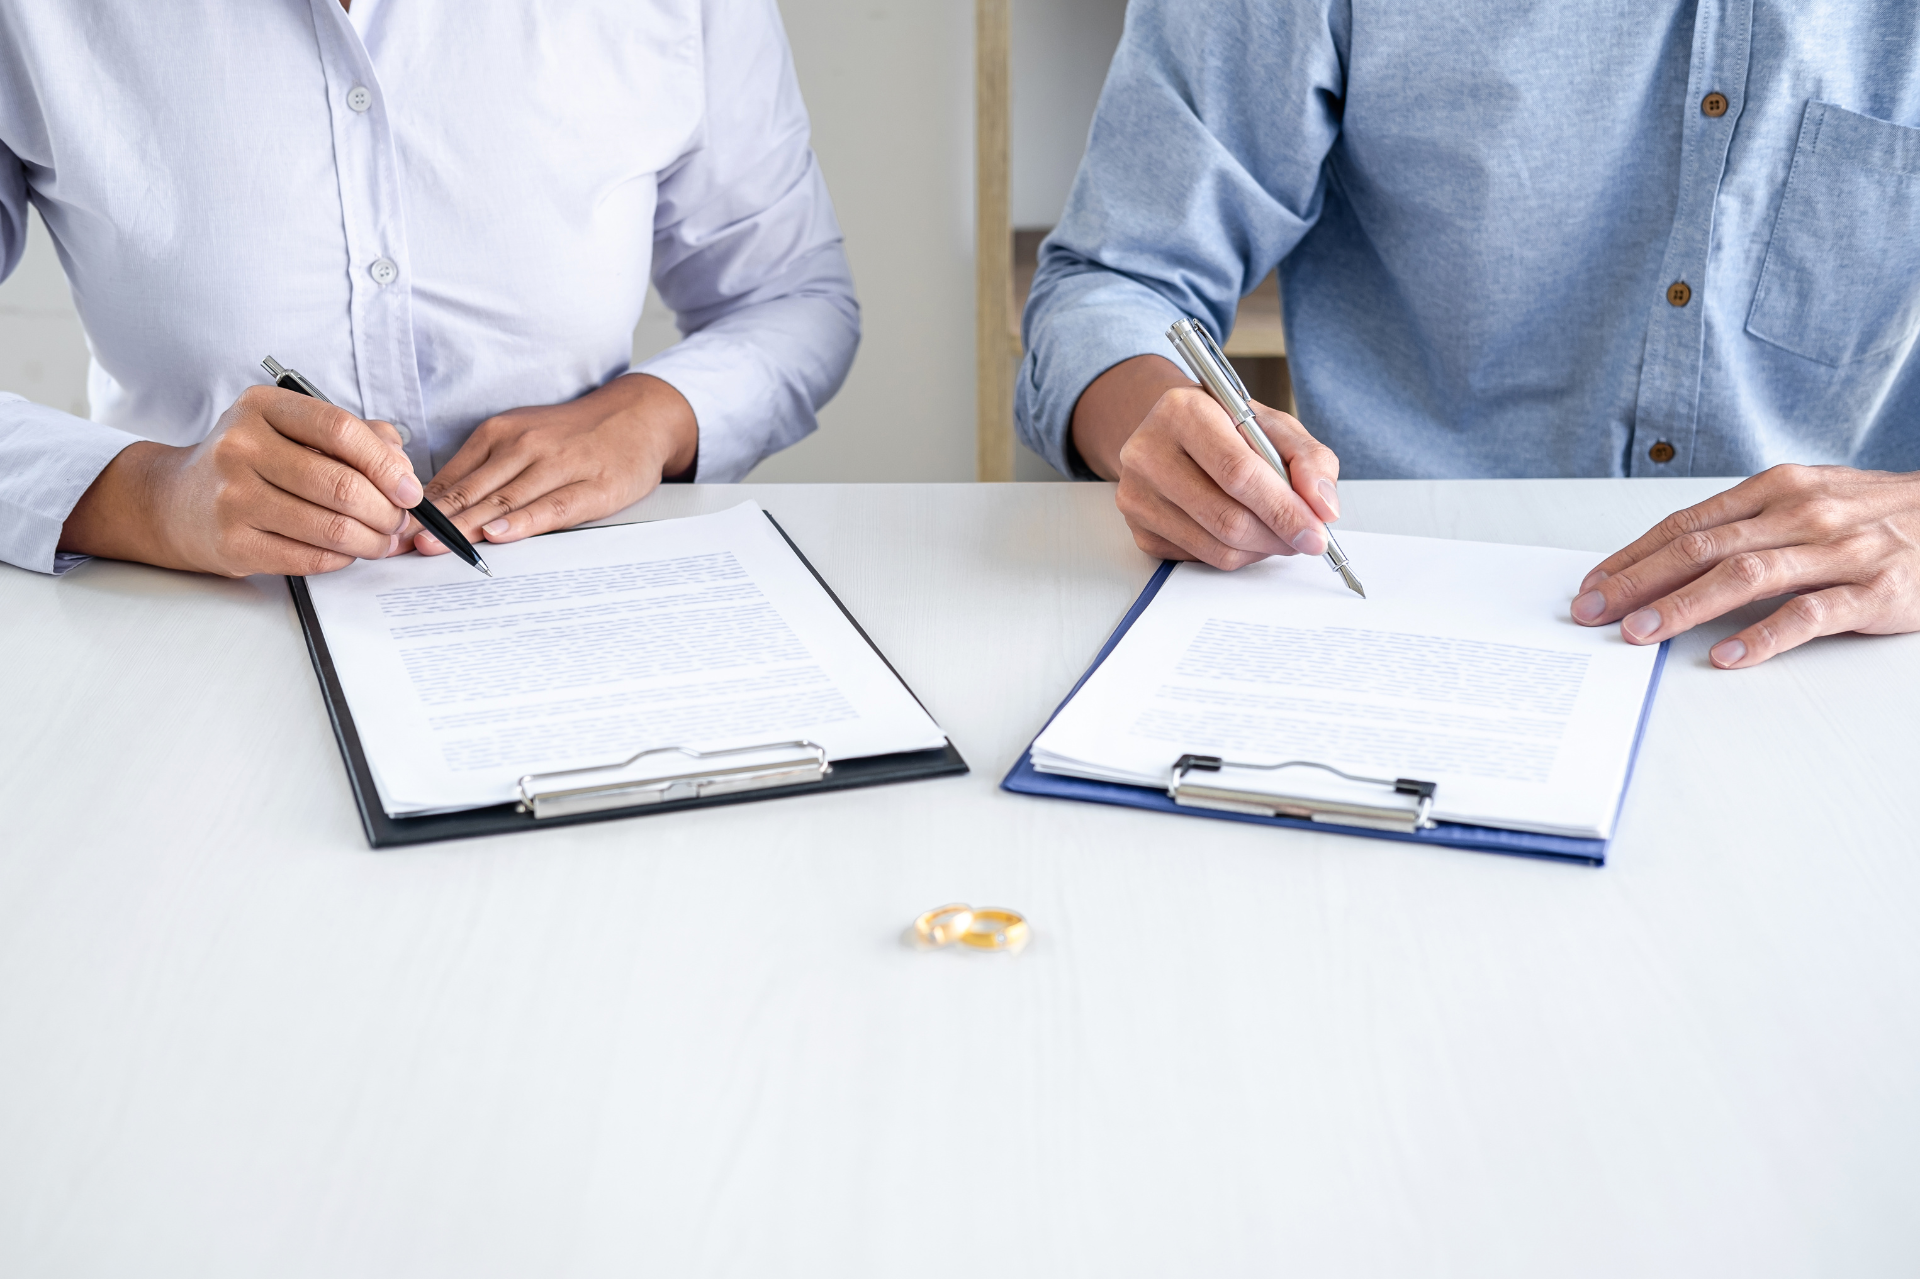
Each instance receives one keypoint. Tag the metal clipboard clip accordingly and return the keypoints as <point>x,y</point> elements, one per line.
<point>1412,813</point>
<point>799,762</point>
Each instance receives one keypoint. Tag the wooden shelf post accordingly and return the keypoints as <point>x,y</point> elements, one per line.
<point>996,348</point>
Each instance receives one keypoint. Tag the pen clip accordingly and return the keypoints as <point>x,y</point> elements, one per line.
<point>1209,367</point>
<point>1221,361</point>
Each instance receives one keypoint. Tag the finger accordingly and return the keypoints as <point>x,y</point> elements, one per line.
<point>339,434</point>
<point>563,507</point>
<point>387,432</point>
<point>1682,560</point>
<point>1184,483</point>
<point>314,477</point>
<point>273,510</point>
<point>269,552</point>
<point>1736,581</point>
<point>1741,502</point>
<point>1158,547</point>
<point>1252,487</point>
<point>1312,466</point>
<point>538,500</point>
<point>1805,617</point>
<point>1167,523</point>
<point>474,492</point>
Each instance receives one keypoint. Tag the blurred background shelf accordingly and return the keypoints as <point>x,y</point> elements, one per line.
<point>1038,68</point>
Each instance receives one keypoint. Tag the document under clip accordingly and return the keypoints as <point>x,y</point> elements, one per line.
<point>791,764</point>
<point>1412,813</point>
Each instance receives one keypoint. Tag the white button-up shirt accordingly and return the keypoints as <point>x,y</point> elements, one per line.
<point>436,211</point>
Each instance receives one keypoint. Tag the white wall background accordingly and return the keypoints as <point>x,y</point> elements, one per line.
<point>889,84</point>
<point>1061,49</point>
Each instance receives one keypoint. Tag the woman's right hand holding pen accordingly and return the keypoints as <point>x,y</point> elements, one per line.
<point>282,484</point>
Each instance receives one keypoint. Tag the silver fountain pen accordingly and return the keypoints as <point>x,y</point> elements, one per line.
<point>1210,369</point>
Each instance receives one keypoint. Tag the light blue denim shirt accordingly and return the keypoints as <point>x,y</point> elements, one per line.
<point>1480,210</point>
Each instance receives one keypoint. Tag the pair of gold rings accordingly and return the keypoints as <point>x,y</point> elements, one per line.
<point>984,928</point>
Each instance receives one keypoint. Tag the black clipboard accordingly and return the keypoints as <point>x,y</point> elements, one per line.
<point>500,819</point>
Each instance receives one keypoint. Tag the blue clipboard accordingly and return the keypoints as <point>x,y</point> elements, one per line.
<point>1025,779</point>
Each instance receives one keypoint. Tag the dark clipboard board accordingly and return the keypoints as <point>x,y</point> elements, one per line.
<point>500,819</point>
<point>1025,779</point>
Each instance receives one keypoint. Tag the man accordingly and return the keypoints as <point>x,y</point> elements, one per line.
<point>1516,237</point>
<point>446,216</point>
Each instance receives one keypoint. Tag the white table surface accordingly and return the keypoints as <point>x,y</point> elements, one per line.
<point>235,1042</point>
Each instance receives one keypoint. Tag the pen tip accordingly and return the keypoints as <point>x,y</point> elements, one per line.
<point>482,566</point>
<point>1353,583</point>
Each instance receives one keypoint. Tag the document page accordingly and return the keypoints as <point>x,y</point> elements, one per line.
<point>1460,667</point>
<point>590,646</point>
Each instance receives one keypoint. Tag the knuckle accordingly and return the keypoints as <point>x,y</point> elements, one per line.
<point>1237,526</point>
<point>1824,517</point>
<point>343,486</point>
<point>1698,549</point>
<point>1238,472</point>
<point>335,529</point>
<point>1749,569</point>
<point>1809,610</point>
<point>314,559</point>
<point>1682,522</point>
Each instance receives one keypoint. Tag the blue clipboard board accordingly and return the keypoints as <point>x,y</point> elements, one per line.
<point>1025,779</point>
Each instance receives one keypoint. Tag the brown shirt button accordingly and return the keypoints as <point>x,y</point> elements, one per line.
<point>1714,104</point>
<point>1661,452</point>
<point>1678,293</point>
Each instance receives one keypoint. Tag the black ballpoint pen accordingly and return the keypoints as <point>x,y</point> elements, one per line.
<point>427,513</point>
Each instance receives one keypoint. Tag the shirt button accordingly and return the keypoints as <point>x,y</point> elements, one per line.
<point>360,97</point>
<point>384,271</point>
<point>1677,293</point>
<point>1661,451</point>
<point>1714,104</point>
<point>406,436</point>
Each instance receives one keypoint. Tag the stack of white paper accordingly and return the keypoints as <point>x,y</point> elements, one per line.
<point>590,646</point>
<point>1461,667</point>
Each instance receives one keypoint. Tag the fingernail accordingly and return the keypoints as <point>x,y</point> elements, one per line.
<point>393,543</point>
<point>1330,496</point>
<point>497,527</point>
<point>428,542</point>
<point>1727,652</point>
<point>1642,624</point>
<point>1310,541</point>
<point>407,492</point>
<point>1589,607</point>
<point>1594,579</point>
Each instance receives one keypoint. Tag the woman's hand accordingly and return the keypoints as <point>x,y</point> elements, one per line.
<point>282,484</point>
<point>532,470</point>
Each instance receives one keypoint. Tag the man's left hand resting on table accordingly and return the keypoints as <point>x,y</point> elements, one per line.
<point>1844,542</point>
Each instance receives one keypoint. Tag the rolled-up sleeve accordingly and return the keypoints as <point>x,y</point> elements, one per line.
<point>47,458</point>
<point>748,254</point>
<point>1203,169</point>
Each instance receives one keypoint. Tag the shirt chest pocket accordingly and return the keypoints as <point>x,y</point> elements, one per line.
<point>1842,277</point>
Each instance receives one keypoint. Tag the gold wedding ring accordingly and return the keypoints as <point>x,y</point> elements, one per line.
<point>994,928</point>
<point>943,925</point>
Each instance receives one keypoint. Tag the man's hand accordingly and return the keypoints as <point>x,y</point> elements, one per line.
<point>532,470</point>
<point>283,484</point>
<point>1190,487</point>
<point>1845,543</point>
